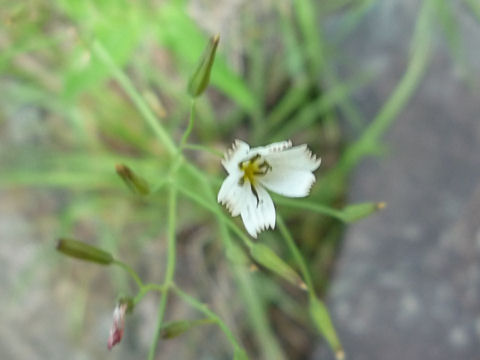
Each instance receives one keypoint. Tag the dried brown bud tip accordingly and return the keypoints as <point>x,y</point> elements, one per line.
<point>136,183</point>
<point>381,205</point>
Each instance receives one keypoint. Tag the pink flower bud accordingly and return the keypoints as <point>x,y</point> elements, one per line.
<point>118,326</point>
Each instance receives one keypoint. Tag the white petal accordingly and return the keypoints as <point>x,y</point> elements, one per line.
<point>233,195</point>
<point>235,155</point>
<point>289,182</point>
<point>272,148</point>
<point>258,216</point>
<point>298,157</point>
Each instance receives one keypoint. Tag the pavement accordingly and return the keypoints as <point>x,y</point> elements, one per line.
<point>407,282</point>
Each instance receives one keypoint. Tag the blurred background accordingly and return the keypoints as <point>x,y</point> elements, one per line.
<point>386,92</point>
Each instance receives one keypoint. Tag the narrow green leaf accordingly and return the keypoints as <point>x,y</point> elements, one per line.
<point>240,354</point>
<point>305,12</point>
<point>116,24</point>
<point>421,44</point>
<point>310,112</point>
<point>321,318</point>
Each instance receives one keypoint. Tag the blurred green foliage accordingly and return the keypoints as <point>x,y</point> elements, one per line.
<point>280,82</point>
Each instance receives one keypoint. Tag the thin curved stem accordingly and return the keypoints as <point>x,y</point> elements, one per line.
<point>320,208</point>
<point>171,260</point>
<point>146,289</point>
<point>130,271</point>
<point>191,121</point>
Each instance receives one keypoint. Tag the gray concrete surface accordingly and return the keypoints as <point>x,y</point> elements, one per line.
<point>407,283</point>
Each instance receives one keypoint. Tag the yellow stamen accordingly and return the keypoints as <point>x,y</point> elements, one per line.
<point>252,168</point>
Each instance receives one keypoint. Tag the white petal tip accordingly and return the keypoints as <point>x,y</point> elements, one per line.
<point>261,228</point>
<point>238,150</point>
<point>313,158</point>
<point>278,147</point>
<point>237,144</point>
<point>230,207</point>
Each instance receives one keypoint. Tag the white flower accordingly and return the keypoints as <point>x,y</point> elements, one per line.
<point>278,167</point>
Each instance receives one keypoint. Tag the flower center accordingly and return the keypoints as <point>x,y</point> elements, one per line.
<point>253,168</point>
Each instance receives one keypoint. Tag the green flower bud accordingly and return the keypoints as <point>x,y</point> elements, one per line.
<point>321,318</point>
<point>83,251</point>
<point>201,77</point>
<point>177,328</point>
<point>127,300</point>
<point>356,212</point>
<point>134,182</point>
<point>266,257</point>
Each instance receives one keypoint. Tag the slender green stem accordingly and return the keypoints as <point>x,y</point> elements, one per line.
<point>296,254</point>
<point>302,204</point>
<point>158,186</point>
<point>172,209</point>
<point>146,289</point>
<point>191,122</point>
<point>203,148</point>
<point>257,314</point>
<point>203,308</point>
<point>100,51</point>
<point>130,271</point>
<point>158,330</point>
